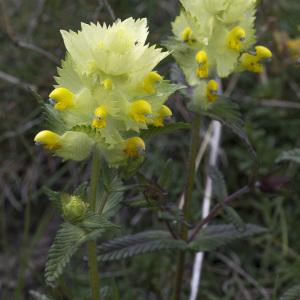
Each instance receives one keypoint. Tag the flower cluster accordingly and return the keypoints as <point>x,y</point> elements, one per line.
<point>215,38</point>
<point>106,93</point>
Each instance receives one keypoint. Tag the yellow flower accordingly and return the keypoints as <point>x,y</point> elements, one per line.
<point>254,62</point>
<point>149,82</point>
<point>48,139</point>
<point>187,36</point>
<point>140,111</point>
<point>106,89</point>
<point>134,146</point>
<point>212,90</point>
<point>202,60</point>
<point>235,38</point>
<point>163,114</point>
<point>100,116</point>
<point>62,98</point>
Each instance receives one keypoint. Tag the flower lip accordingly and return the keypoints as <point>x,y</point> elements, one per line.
<point>48,139</point>
<point>52,101</point>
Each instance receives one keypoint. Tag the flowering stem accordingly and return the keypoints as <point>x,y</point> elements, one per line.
<point>92,250</point>
<point>187,202</point>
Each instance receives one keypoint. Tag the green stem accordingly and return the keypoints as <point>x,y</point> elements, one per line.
<point>92,247</point>
<point>194,145</point>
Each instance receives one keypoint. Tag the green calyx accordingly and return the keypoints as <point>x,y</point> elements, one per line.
<point>74,208</point>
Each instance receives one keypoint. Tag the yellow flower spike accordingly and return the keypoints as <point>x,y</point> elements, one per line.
<point>163,114</point>
<point>140,110</point>
<point>107,84</point>
<point>100,116</point>
<point>187,36</point>
<point>149,81</point>
<point>235,38</point>
<point>62,97</point>
<point>48,139</point>
<point>202,60</point>
<point>134,146</point>
<point>212,90</point>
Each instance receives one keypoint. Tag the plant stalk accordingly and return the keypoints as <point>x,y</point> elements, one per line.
<point>194,145</point>
<point>91,247</point>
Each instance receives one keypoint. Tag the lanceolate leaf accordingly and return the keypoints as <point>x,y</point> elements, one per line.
<point>113,195</point>
<point>219,185</point>
<point>55,198</point>
<point>95,221</point>
<point>143,242</point>
<point>69,238</point>
<point>215,236</point>
<point>291,294</point>
<point>228,114</point>
<point>234,218</point>
<point>292,155</point>
<point>153,131</point>
<point>38,296</point>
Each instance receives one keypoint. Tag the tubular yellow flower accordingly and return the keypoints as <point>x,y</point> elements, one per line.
<point>235,38</point>
<point>212,91</point>
<point>187,36</point>
<point>100,116</point>
<point>163,114</point>
<point>134,146</point>
<point>48,139</point>
<point>149,81</point>
<point>107,84</point>
<point>202,60</point>
<point>140,110</point>
<point>62,97</point>
<point>263,52</point>
<point>254,62</point>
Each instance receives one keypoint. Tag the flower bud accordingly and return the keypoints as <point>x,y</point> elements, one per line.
<point>74,209</point>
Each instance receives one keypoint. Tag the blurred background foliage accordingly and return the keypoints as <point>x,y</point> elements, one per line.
<point>261,268</point>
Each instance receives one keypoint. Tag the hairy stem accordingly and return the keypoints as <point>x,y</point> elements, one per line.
<point>92,250</point>
<point>194,145</point>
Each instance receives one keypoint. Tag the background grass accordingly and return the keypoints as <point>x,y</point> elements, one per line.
<point>261,268</point>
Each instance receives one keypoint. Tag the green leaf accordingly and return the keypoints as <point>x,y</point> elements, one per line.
<point>81,190</point>
<point>166,174</point>
<point>154,131</point>
<point>291,155</point>
<point>113,195</point>
<point>143,242</point>
<point>55,198</point>
<point>233,217</point>
<point>291,294</point>
<point>219,185</point>
<point>229,115</point>
<point>215,236</point>
<point>95,221</point>
<point>38,296</point>
<point>67,241</point>
<point>88,130</point>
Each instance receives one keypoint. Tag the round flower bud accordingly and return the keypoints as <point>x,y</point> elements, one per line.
<point>74,209</point>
